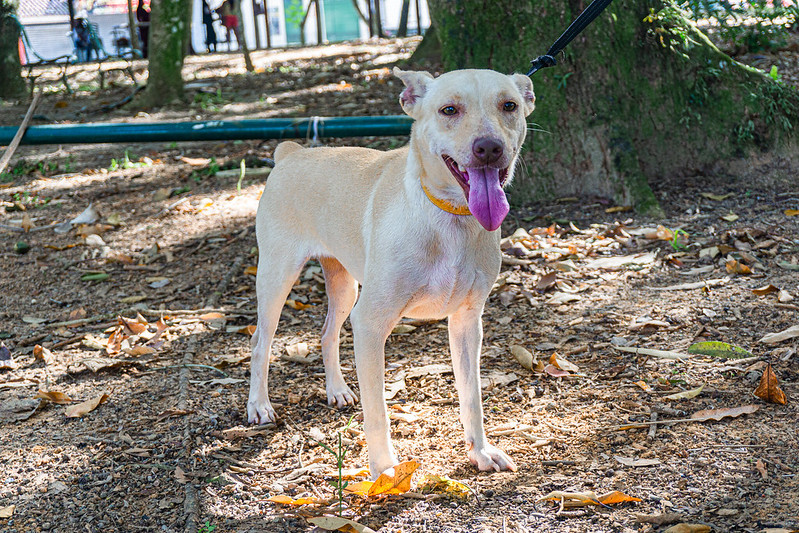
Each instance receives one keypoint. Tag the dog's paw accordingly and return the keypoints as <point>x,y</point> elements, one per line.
<point>491,458</point>
<point>340,396</point>
<point>260,412</point>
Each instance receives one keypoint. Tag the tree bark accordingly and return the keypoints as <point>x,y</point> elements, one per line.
<point>169,31</point>
<point>11,83</point>
<point>632,101</point>
<point>402,31</point>
<point>244,49</point>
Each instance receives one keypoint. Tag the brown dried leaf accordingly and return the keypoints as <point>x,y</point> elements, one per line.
<point>563,364</point>
<point>180,476</point>
<point>337,523</point>
<point>761,468</point>
<point>769,388</point>
<point>84,408</point>
<point>288,500</point>
<point>54,397</point>
<point>40,353</point>
<point>555,372</point>
<point>736,267</point>
<point>766,289</point>
<point>688,528</point>
<point>132,326</point>
<point>718,414</point>
<point>617,497</point>
<point>547,281</point>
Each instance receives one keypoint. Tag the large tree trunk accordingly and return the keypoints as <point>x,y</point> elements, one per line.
<point>11,83</point>
<point>632,102</point>
<point>169,32</point>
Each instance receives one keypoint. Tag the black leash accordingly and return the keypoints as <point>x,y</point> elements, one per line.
<point>581,22</point>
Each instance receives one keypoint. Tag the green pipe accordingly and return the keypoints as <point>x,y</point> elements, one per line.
<point>212,130</point>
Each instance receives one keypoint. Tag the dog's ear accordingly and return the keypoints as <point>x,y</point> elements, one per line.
<point>415,87</point>
<point>525,85</point>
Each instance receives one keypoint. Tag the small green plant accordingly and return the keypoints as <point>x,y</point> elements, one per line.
<point>679,239</point>
<point>209,171</point>
<point>563,80</point>
<point>340,484</point>
<point>126,163</point>
<point>774,74</point>
<point>28,200</point>
<point>209,101</point>
<point>206,528</point>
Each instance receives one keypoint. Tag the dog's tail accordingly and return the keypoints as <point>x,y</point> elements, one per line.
<point>285,148</point>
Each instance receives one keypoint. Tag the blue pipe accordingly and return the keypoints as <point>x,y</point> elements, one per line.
<point>212,130</point>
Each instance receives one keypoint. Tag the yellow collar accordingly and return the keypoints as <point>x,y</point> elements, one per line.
<point>445,205</point>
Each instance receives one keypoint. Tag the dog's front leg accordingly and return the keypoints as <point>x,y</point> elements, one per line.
<point>371,326</point>
<point>465,339</point>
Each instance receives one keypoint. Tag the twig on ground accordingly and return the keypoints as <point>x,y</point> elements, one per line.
<point>654,427</point>
<point>20,133</point>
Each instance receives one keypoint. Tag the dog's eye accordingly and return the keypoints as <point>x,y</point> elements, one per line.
<point>449,110</point>
<point>509,106</point>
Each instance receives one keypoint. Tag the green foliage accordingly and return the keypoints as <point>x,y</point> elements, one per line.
<point>126,163</point>
<point>209,101</point>
<point>750,26</point>
<point>206,528</point>
<point>340,484</point>
<point>679,239</point>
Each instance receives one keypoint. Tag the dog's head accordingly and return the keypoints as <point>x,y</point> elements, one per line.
<point>473,123</point>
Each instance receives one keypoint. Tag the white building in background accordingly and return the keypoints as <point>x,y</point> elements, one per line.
<point>339,21</point>
<point>46,23</point>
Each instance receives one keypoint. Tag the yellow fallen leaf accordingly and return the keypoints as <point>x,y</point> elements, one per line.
<point>213,315</point>
<point>617,497</point>
<point>586,498</point>
<point>83,408</point>
<point>396,483</point>
<point>247,330</point>
<point>54,396</point>
<point>251,270</point>
<point>348,473</point>
<point>685,395</point>
<point>296,305</point>
<point>736,267</point>
<point>791,212</point>
<point>444,485</point>
<point>288,500</point>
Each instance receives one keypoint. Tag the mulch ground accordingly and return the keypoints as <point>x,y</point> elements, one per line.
<point>169,449</point>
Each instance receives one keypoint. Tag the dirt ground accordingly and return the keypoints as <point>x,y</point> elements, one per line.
<point>170,449</point>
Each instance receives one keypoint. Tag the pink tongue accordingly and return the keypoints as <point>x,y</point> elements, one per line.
<point>487,201</point>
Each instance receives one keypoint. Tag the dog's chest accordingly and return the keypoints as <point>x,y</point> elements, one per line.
<point>443,279</point>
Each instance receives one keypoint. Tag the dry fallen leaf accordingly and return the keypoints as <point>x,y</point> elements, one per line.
<point>395,483</point>
<point>736,267</point>
<point>718,414</point>
<point>769,388</point>
<point>337,523</point>
<point>761,468</point>
<point>444,485</point>
<point>348,473</point>
<point>288,500</point>
<point>685,395</point>
<point>766,289</point>
<point>556,372</point>
<point>297,306</point>
<point>251,270</point>
<point>523,356</point>
<point>180,476</point>
<point>83,408</point>
<point>784,335</point>
<point>7,512</point>
<point>688,528</point>
<point>719,349</point>
<point>563,364</point>
<point>54,397</point>
<point>40,353</point>
<point>629,461</point>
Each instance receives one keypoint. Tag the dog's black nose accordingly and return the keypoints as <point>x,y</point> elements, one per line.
<point>486,150</point>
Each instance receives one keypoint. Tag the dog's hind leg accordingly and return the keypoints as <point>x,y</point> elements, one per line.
<point>277,271</point>
<point>342,291</point>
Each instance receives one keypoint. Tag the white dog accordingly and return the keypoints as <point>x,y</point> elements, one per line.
<point>417,227</point>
